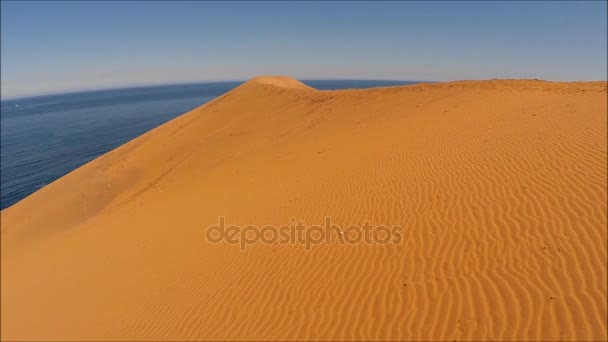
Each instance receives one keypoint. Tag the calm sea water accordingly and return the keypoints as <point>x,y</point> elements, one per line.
<point>43,138</point>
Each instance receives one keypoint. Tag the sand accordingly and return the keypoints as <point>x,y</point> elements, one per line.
<point>499,187</point>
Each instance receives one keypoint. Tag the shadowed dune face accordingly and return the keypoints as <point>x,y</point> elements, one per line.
<point>499,188</point>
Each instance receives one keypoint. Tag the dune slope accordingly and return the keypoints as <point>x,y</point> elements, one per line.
<point>499,187</point>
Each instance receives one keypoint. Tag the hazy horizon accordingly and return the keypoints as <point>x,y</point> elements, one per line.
<point>169,84</point>
<point>60,47</point>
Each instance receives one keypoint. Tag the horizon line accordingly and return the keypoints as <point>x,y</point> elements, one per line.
<point>178,83</point>
<point>151,85</point>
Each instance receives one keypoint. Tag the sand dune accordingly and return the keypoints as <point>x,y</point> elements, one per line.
<point>499,187</point>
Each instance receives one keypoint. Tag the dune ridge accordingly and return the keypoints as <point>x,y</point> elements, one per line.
<point>499,186</point>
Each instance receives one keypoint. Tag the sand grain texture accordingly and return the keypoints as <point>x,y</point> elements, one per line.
<point>500,187</point>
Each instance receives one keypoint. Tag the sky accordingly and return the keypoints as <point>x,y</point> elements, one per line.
<point>52,47</point>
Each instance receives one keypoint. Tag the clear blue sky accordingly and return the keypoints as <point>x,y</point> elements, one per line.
<point>62,46</point>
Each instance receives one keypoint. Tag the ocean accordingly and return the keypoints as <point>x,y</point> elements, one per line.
<point>45,137</point>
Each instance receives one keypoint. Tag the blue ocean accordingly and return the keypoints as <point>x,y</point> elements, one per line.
<point>45,137</point>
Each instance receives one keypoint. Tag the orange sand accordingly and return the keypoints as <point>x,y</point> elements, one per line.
<point>500,187</point>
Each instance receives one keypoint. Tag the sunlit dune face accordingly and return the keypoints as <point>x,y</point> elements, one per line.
<point>498,189</point>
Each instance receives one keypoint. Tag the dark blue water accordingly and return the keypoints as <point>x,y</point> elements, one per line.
<point>45,137</point>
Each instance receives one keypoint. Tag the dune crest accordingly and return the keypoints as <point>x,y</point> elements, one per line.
<point>499,188</point>
<point>278,81</point>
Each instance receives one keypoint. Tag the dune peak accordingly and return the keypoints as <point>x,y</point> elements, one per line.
<point>278,81</point>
